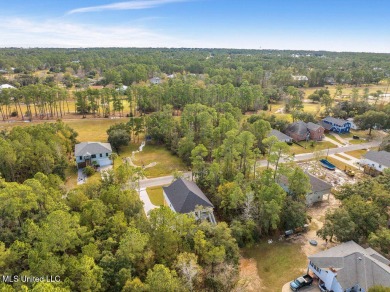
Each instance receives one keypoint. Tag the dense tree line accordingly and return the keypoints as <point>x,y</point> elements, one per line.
<point>221,65</point>
<point>97,238</point>
<point>45,148</point>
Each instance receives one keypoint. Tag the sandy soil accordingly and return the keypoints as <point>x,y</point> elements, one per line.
<point>249,277</point>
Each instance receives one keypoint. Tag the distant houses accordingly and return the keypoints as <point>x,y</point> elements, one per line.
<point>378,160</point>
<point>301,131</point>
<point>92,153</point>
<point>336,125</point>
<point>184,196</point>
<point>350,267</point>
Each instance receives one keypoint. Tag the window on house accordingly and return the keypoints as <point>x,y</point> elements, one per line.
<point>101,155</point>
<point>380,166</point>
<point>106,154</point>
<point>81,158</point>
<point>93,156</point>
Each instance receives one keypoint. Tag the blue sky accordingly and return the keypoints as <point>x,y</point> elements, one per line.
<point>342,25</point>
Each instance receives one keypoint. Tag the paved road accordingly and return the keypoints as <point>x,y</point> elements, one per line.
<point>159,181</point>
<point>341,149</point>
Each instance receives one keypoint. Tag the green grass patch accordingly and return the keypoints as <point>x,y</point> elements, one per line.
<point>156,195</point>
<point>93,129</point>
<point>277,263</point>
<point>357,141</point>
<point>313,108</point>
<point>308,148</point>
<point>167,163</point>
<point>357,153</point>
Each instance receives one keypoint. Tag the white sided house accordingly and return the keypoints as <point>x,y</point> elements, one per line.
<point>349,267</point>
<point>380,160</point>
<point>184,196</point>
<point>92,153</point>
<point>6,86</point>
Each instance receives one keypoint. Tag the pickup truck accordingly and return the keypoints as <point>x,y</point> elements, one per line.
<point>298,283</point>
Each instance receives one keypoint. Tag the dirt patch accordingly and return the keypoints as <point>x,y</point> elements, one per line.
<point>317,213</point>
<point>335,177</point>
<point>249,277</point>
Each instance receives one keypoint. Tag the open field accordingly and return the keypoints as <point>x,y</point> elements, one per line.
<point>88,129</point>
<point>307,147</point>
<point>93,129</point>
<point>156,195</point>
<point>277,263</point>
<point>346,89</point>
<point>167,163</point>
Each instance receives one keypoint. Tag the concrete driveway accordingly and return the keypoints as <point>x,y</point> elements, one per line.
<point>312,288</point>
<point>145,199</point>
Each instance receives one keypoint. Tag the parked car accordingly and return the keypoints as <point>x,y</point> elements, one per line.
<point>303,281</point>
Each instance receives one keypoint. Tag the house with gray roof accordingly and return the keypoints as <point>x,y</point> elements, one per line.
<point>318,188</point>
<point>379,160</point>
<point>184,196</point>
<point>350,267</point>
<point>281,137</point>
<point>336,125</point>
<point>92,153</point>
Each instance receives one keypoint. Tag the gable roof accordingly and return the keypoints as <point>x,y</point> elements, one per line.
<point>281,137</point>
<point>318,185</point>
<point>354,265</point>
<point>381,157</point>
<point>185,195</point>
<point>313,127</point>
<point>298,127</point>
<point>88,148</point>
<point>335,121</point>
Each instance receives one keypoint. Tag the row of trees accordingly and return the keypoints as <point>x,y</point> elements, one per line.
<point>40,101</point>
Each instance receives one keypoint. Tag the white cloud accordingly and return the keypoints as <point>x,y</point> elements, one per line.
<point>18,32</point>
<point>129,5</point>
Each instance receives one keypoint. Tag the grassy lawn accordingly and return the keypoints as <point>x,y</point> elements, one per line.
<point>277,263</point>
<point>93,130</point>
<point>341,156</point>
<point>357,153</point>
<point>156,195</point>
<point>167,163</point>
<point>357,141</point>
<point>339,164</point>
<point>318,146</point>
<point>330,136</point>
<point>313,108</point>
